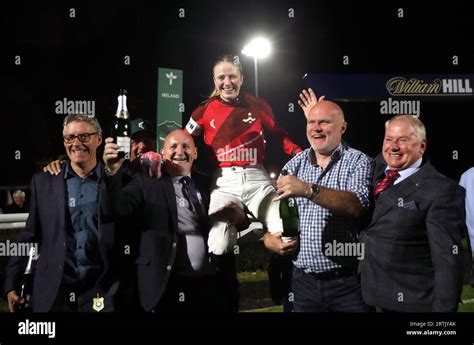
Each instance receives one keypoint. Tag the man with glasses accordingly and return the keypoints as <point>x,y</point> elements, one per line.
<point>142,135</point>
<point>143,140</point>
<point>69,219</point>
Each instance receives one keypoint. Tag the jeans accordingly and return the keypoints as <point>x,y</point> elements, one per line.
<point>342,294</point>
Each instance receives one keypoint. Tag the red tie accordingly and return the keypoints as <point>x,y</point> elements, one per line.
<point>389,179</point>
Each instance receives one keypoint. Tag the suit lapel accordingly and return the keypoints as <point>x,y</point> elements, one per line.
<point>399,193</point>
<point>58,191</point>
<point>171,199</point>
<point>104,209</point>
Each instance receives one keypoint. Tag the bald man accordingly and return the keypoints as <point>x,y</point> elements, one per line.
<point>174,269</point>
<point>331,183</point>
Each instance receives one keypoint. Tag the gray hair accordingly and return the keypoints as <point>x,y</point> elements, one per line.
<point>82,118</point>
<point>19,192</point>
<point>415,123</point>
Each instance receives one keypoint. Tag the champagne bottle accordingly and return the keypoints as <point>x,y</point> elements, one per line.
<point>27,285</point>
<point>289,216</point>
<point>121,127</point>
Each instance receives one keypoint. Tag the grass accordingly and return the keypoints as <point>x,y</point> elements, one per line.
<point>3,307</point>
<point>275,309</point>
<point>467,296</point>
<point>252,276</point>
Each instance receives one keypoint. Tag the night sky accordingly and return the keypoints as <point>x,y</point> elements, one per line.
<point>82,58</point>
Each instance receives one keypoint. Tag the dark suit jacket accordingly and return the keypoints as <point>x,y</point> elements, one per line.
<point>46,225</point>
<point>128,240</point>
<point>413,257</point>
<point>158,223</point>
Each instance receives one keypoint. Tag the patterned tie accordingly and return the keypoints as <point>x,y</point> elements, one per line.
<point>190,193</point>
<point>389,179</point>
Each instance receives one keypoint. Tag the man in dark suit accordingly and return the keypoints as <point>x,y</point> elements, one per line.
<point>69,219</point>
<point>175,272</point>
<point>413,258</point>
<point>142,141</point>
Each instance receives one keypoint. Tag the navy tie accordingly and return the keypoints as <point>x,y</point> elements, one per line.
<point>190,193</point>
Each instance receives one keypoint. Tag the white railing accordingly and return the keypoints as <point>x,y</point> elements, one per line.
<point>13,220</point>
<point>18,221</point>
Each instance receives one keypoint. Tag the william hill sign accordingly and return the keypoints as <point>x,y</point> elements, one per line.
<point>400,86</point>
<point>376,87</point>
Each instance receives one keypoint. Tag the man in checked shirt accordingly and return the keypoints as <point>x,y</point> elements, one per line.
<point>331,183</point>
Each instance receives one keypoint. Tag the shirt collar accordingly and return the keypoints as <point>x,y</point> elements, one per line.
<point>335,155</point>
<point>408,171</point>
<point>176,179</point>
<point>242,100</point>
<point>95,174</point>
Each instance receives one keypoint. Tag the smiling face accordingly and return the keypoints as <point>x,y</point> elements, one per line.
<point>402,146</point>
<point>324,128</point>
<point>82,154</point>
<point>179,153</point>
<point>227,80</point>
<point>141,143</point>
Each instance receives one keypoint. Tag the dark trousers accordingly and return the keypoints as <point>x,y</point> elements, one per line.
<point>383,310</point>
<point>193,294</point>
<point>315,294</point>
<point>68,300</point>
<point>228,282</point>
<point>279,278</point>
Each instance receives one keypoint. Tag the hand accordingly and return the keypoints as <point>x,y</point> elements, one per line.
<point>274,243</point>
<point>13,299</point>
<point>290,185</point>
<point>111,160</point>
<point>54,168</point>
<point>307,100</point>
<point>232,213</point>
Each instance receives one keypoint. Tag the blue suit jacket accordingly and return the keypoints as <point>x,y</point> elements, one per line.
<point>46,225</point>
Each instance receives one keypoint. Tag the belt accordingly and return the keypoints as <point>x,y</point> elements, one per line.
<point>240,168</point>
<point>335,273</point>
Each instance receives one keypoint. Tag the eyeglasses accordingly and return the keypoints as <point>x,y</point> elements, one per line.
<point>83,137</point>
